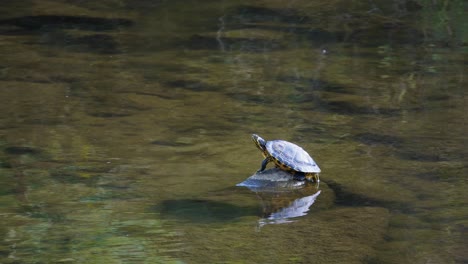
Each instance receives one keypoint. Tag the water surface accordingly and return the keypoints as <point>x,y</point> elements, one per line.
<point>125,127</point>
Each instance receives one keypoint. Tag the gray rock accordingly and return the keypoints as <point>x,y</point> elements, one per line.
<point>272,180</point>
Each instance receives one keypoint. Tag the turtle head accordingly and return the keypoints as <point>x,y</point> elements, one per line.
<point>259,142</point>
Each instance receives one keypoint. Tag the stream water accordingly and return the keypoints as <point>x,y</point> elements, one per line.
<point>125,128</point>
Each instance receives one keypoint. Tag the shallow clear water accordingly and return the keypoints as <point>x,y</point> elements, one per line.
<point>125,127</point>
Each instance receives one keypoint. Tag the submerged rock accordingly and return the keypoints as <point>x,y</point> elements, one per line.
<point>21,150</point>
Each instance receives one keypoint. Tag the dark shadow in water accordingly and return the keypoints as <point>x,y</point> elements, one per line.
<point>107,114</point>
<point>21,150</point>
<point>165,143</point>
<point>444,174</point>
<point>51,28</point>
<point>345,197</point>
<point>421,156</point>
<point>248,97</point>
<point>196,86</point>
<point>254,14</point>
<point>14,155</point>
<point>96,43</point>
<point>54,22</point>
<point>308,84</point>
<point>5,164</point>
<point>204,211</point>
<point>112,107</point>
<point>369,138</point>
<point>168,95</point>
<point>348,108</point>
<point>312,35</point>
<point>282,20</point>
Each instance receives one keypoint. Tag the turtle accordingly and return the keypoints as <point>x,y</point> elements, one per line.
<point>288,157</point>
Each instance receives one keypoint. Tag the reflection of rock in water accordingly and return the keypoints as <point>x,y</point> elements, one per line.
<point>282,197</point>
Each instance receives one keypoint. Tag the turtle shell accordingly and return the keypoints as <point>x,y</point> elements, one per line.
<point>292,156</point>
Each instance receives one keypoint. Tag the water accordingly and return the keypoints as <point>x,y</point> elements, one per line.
<point>123,134</point>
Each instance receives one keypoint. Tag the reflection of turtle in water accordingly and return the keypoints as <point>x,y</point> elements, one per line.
<point>288,157</point>
<point>297,208</point>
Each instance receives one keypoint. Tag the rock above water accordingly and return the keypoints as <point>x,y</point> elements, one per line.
<point>271,180</point>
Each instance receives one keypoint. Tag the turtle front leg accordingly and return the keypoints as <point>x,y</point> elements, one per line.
<point>264,164</point>
<point>313,177</point>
